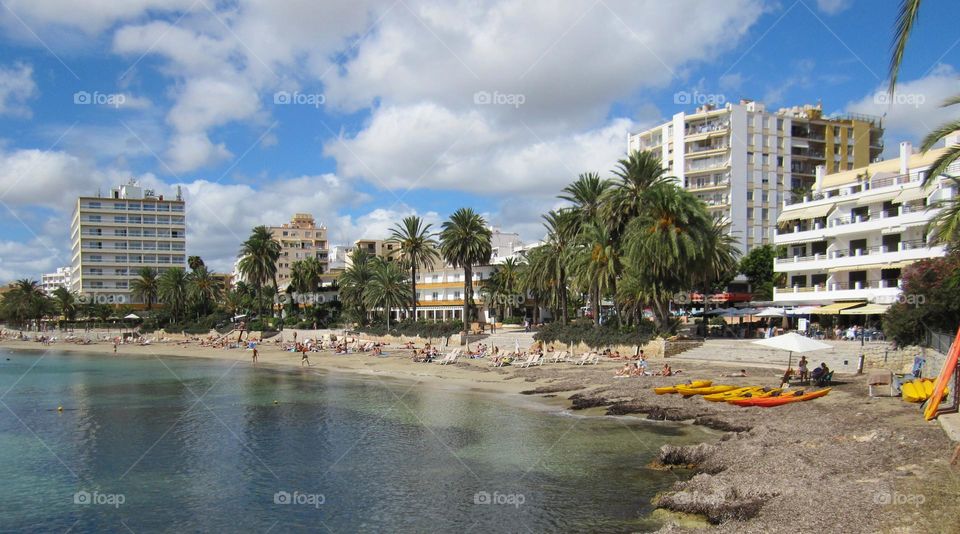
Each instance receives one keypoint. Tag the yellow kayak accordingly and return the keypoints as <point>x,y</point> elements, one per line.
<point>918,390</point>
<point>760,393</point>
<point>734,393</point>
<point>673,389</point>
<point>689,391</point>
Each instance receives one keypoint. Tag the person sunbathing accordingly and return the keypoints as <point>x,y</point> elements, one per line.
<point>740,373</point>
<point>626,370</point>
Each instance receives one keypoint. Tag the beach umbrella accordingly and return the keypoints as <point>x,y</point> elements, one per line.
<point>793,342</point>
<point>132,316</point>
<point>772,312</point>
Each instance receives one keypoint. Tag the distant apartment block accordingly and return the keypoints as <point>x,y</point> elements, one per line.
<point>850,239</point>
<point>114,236</point>
<point>744,161</point>
<point>60,278</point>
<point>299,239</point>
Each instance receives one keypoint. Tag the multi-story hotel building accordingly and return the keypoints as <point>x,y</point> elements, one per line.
<point>51,281</point>
<point>299,239</point>
<point>114,236</point>
<point>440,287</point>
<point>850,239</point>
<point>744,161</point>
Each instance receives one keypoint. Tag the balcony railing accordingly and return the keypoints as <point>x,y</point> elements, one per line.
<point>887,283</point>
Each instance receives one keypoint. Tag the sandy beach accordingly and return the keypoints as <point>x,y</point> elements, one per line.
<point>869,464</point>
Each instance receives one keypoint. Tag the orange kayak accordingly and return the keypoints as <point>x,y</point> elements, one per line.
<point>785,398</point>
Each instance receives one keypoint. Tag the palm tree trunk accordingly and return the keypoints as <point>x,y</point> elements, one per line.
<point>276,286</point>
<point>562,288</point>
<point>413,288</point>
<point>467,294</point>
<point>595,305</point>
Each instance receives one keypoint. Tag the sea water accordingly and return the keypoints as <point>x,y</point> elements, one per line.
<point>155,443</point>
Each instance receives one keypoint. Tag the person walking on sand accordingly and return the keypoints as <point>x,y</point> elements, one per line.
<point>304,358</point>
<point>255,354</point>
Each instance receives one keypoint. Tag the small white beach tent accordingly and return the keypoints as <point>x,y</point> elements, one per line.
<point>793,342</point>
<point>132,316</point>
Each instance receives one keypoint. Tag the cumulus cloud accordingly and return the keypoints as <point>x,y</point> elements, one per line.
<point>833,7</point>
<point>16,87</point>
<point>914,109</point>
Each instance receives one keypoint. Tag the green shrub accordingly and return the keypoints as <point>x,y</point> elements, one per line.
<point>512,320</point>
<point>584,331</point>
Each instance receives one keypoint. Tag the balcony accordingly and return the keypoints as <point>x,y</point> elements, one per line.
<point>868,258</point>
<point>881,291</point>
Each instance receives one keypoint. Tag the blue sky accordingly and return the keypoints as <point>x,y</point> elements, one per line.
<point>362,112</point>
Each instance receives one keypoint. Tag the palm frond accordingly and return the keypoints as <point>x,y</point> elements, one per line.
<point>906,18</point>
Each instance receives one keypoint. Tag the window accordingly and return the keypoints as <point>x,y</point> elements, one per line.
<point>749,196</point>
<point>749,213</point>
<point>764,213</point>
<point>764,196</point>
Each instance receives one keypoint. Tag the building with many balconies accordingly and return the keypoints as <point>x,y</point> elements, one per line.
<point>299,239</point>
<point>114,236</point>
<point>60,278</point>
<point>851,238</point>
<point>744,161</point>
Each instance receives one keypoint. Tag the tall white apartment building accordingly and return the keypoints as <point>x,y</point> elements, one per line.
<point>116,235</point>
<point>851,238</point>
<point>51,281</point>
<point>744,161</point>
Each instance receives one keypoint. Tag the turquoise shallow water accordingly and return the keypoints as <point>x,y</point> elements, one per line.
<point>184,445</point>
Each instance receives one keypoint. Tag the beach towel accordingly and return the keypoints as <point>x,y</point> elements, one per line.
<point>918,362</point>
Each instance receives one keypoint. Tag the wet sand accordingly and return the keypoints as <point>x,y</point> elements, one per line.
<point>842,463</point>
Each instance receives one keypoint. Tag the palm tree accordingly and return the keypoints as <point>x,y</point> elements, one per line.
<point>416,248</point>
<point>144,286</point>
<point>305,275</point>
<point>719,259</point>
<point>258,261</point>
<point>465,242</point>
<point>947,221</point>
<point>173,291</point>
<point>504,285</point>
<point>641,171</point>
<point>595,263</point>
<point>203,289</point>
<point>548,267</point>
<point>387,288</point>
<point>195,262</point>
<point>664,245</point>
<point>27,302</point>
<point>353,281</point>
<point>586,194</point>
<point>66,302</point>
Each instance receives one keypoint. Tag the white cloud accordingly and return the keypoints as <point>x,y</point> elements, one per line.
<point>833,7</point>
<point>16,87</point>
<point>914,109</point>
<point>427,146</point>
<point>94,16</point>
<point>53,179</point>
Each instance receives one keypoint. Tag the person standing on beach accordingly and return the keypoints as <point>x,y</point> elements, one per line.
<point>304,358</point>
<point>255,354</point>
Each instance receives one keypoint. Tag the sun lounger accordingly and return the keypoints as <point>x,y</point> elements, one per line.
<point>559,357</point>
<point>587,358</point>
<point>534,359</point>
<point>450,358</point>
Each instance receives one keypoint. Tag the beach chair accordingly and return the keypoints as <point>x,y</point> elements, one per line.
<point>533,359</point>
<point>585,359</point>
<point>451,357</point>
<point>527,362</point>
<point>824,380</point>
<point>594,360</point>
<point>558,357</point>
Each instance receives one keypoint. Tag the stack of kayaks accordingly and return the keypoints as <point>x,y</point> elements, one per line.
<point>673,389</point>
<point>783,398</point>
<point>918,390</point>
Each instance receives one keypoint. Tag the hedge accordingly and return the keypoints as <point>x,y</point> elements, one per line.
<point>584,331</point>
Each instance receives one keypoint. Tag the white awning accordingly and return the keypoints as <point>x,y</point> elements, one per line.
<point>912,193</point>
<point>811,212</point>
